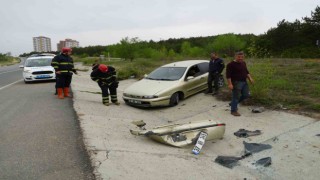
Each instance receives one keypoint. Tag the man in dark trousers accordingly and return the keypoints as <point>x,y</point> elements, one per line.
<point>237,75</point>
<point>216,66</point>
<point>64,68</point>
<point>105,76</point>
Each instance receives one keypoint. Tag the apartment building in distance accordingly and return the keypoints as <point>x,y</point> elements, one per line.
<point>41,44</point>
<point>67,43</point>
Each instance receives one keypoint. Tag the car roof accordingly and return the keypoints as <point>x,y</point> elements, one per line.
<point>185,63</point>
<point>40,57</point>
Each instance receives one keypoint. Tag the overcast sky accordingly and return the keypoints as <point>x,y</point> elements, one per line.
<point>104,22</point>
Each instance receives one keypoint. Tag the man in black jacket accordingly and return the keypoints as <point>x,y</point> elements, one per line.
<point>64,68</point>
<point>105,76</point>
<point>216,66</point>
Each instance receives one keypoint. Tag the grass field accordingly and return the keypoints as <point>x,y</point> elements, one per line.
<point>9,61</point>
<point>289,83</point>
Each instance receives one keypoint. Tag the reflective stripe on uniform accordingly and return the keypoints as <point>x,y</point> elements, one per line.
<point>113,97</point>
<point>65,63</point>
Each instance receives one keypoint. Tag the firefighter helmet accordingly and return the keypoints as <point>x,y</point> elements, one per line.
<point>66,50</point>
<point>103,68</point>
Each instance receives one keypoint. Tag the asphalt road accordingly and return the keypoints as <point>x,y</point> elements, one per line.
<point>10,74</point>
<point>40,137</point>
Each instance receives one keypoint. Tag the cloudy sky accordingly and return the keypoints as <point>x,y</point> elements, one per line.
<point>104,22</point>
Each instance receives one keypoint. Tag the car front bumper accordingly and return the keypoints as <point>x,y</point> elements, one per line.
<point>161,101</point>
<point>38,77</point>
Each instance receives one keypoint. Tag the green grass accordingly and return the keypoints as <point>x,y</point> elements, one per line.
<point>9,61</point>
<point>293,83</point>
<point>126,69</point>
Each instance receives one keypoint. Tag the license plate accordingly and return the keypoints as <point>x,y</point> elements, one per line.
<point>42,76</point>
<point>201,140</point>
<point>134,101</point>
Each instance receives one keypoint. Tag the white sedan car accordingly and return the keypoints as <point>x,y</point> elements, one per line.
<point>170,83</point>
<point>38,68</point>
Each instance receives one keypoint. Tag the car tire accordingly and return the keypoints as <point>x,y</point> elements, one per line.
<point>221,81</point>
<point>26,82</point>
<point>174,100</point>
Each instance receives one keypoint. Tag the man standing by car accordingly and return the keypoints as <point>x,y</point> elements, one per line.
<point>237,74</point>
<point>63,65</point>
<point>105,76</point>
<point>216,66</point>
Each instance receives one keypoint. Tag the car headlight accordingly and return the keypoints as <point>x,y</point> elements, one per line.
<point>149,97</point>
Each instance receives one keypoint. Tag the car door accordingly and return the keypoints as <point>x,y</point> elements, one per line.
<point>196,80</point>
<point>204,69</point>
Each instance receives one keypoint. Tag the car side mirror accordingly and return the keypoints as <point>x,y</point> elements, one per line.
<point>189,78</point>
<point>21,66</point>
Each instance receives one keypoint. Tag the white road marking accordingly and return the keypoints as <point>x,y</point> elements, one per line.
<point>10,71</point>
<point>10,84</point>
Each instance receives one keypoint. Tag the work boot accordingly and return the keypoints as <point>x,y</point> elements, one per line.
<point>208,92</point>
<point>235,113</point>
<point>106,103</point>
<point>66,92</point>
<point>116,103</point>
<point>60,93</point>
<point>216,93</point>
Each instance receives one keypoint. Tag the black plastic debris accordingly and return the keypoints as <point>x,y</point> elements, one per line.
<point>255,147</point>
<point>246,133</point>
<point>318,135</point>
<point>264,162</point>
<point>227,161</point>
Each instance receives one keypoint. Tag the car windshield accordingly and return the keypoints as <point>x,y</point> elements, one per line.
<point>38,62</point>
<point>167,73</point>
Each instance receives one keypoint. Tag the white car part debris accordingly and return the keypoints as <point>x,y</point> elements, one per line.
<point>180,135</point>
<point>201,140</point>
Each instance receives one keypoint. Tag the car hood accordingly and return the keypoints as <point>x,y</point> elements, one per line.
<point>42,68</point>
<point>149,87</point>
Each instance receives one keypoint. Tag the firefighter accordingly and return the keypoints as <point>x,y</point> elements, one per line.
<point>63,65</point>
<point>105,76</point>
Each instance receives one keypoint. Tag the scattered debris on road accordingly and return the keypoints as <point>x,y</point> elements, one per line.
<point>257,110</point>
<point>201,140</point>
<point>255,147</point>
<point>246,133</point>
<point>92,92</point>
<point>264,162</point>
<point>180,135</point>
<point>250,148</point>
<point>141,124</point>
<point>228,161</point>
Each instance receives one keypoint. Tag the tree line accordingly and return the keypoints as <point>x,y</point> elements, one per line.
<point>288,40</point>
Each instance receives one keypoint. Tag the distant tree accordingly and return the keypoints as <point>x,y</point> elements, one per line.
<point>171,54</point>
<point>315,17</point>
<point>227,44</point>
<point>128,48</point>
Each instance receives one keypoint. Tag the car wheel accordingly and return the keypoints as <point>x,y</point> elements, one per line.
<point>26,82</point>
<point>221,81</point>
<point>174,100</point>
